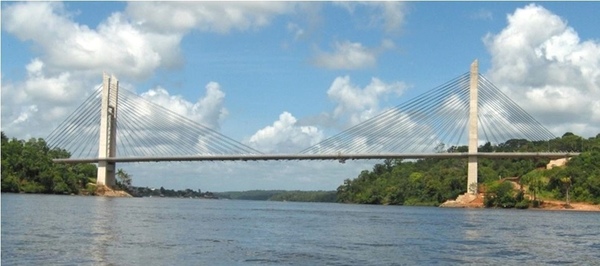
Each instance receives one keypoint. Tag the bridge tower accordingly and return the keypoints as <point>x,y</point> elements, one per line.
<point>473,132</point>
<point>108,131</point>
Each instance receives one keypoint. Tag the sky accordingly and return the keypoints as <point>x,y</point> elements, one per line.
<point>281,76</point>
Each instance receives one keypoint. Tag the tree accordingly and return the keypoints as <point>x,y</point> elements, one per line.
<point>123,179</point>
<point>567,184</point>
<point>499,194</point>
<point>27,167</point>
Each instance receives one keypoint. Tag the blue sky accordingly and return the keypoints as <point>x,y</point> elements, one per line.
<point>284,75</point>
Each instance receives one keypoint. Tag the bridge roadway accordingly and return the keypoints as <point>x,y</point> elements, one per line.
<point>339,157</point>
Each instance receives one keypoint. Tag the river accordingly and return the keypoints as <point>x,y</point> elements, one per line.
<point>79,230</point>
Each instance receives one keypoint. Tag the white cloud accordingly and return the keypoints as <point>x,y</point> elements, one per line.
<point>542,64</point>
<point>72,56</point>
<point>115,46</point>
<point>55,89</point>
<point>285,136</point>
<point>71,59</point>
<point>352,106</point>
<point>133,43</point>
<point>208,110</point>
<point>358,104</point>
<point>351,55</point>
<point>220,17</point>
<point>388,16</point>
<point>39,102</point>
<point>393,15</point>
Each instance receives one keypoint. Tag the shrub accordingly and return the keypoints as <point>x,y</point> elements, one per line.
<point>524,204</point>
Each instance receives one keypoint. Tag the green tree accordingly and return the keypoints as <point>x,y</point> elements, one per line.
<point>500,194</point>
<point>429,181</point>
<point>123,179</point>
<point>27,167</point>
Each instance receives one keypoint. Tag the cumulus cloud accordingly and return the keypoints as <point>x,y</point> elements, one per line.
<point>359,104</point>
<point>386,16</point>
<point>285,136</point>
<point>347,55</point>
<point>351,55</point>
<point>133,43</point>
<point>543,65</point>
<point>220,17</point>
<point>352,106</point>
<point>115,45</point>
<point>208,110</point>
<point>38,102</point>
<point>72,55</point>
<point>393,15</point>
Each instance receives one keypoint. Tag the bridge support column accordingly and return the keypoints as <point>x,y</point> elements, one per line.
<point>108,131</point>
<point>473,130</point>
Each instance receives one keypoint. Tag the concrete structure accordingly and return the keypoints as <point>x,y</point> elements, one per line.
<point>473,130</point>
<point>108,131</point>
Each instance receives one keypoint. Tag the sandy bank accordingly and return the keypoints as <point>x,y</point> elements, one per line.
<point>105,191</point>
<point>472,201</point>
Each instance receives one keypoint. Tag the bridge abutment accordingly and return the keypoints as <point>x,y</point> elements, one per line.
<point>108,131</point>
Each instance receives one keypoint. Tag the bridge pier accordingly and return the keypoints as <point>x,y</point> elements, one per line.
<point>108,131</point>
<point>473,130</point>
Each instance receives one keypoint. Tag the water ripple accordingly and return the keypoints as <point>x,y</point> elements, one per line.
<point>46,229</point>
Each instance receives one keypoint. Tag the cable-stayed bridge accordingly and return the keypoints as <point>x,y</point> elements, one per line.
<point>117,126</point>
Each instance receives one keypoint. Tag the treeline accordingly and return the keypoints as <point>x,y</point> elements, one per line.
<point>578,181</point>
<point>27,167</point>
<point>433,181</point>
<point>280,195</point>
<point>168,193</point>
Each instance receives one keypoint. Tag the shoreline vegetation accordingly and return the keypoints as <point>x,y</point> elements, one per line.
<point>544,205</point>
<point>539,183</point>
<point>503,183</point>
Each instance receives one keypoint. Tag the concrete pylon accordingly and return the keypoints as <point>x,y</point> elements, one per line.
<point>473,130</point>
<point>108,131</point>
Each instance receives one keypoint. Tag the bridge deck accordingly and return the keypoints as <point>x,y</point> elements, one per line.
<point>339,157</point>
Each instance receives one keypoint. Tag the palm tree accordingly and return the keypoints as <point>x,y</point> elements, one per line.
<point>124,178</point>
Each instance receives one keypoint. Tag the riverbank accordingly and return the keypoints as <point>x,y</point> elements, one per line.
<point>105,191</point>
<point>472,201</point>
<point>573,206</point>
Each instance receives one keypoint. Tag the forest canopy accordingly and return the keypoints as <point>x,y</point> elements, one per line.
<point>433,181</point>
<point>27,167</point>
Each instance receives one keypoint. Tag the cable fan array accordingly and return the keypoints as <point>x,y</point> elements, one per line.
<point>502,119</point>
<point>436,120</point>
<point>143,129</point>
<point>80,131</point>
<point>431,122</point>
